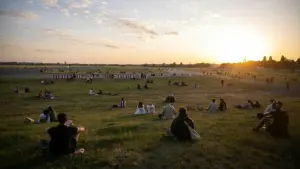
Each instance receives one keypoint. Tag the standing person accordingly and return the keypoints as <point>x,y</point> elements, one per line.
<point>222,82</point>
<point>212,106</point>
<point>288,85</point>
<point>122,103</point>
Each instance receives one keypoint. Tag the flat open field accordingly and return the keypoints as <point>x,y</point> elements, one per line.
<point>114,138</point>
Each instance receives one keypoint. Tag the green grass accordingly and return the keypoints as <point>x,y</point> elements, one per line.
<point>117,139</point>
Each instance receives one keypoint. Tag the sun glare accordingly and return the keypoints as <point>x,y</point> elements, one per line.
<point>236,44</point>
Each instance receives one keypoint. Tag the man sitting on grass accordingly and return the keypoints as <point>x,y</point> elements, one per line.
<point>168,112</point>
<point>279,126</point>
<point>63,137</point>
<point>212,106</point>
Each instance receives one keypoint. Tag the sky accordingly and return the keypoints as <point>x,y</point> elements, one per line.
<point>148,31</point>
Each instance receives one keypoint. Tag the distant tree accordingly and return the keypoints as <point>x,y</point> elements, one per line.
<point>181,63</point>
<point>282,59</point>
<point>145,65</point>
<point>164,64</point>
<point>264,59</point>
<point>65,62</point>
<point>153,65</point>
<point>174,64</point>
<point>270,58</point>
<point>298,61</point>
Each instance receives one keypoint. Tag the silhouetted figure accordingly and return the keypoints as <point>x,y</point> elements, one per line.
<point>138,86</point>
<point>146,86</point>
<point>222,82</point>
<point>17,89</point>
<point>169,82</point>
<point>26,90</point>
<point>288,85</point>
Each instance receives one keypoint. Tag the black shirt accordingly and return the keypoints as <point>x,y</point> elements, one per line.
<point>62,139</point>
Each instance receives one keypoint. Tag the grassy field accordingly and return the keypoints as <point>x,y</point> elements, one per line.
<point>117,139</point>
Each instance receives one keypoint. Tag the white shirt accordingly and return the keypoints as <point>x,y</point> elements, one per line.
<point>151,108</point>
<point>91,92</point>
<point>140,110</point>
<point>212,107</point>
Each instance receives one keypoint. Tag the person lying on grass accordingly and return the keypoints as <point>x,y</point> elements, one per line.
<point>248,105</point>
<point>64,137</point>
<point>167,113</point>
<point>276,121</point>
<point>182,127</point>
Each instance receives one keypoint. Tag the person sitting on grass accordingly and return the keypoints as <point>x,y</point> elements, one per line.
<point>279,126</point>
<point>182,127</point>
<point>151,108</point>
<point>170,99</point>
<point>52,114</point>
<point>145,86</point>
<point>269,108</point>
<point>212,106</point>
<point>140,109</point>
<point>44,117</point>
<point>122,103</point>
<point>256,104</point>
<point>26,90</point>
<point>17,90</point>
<point>91,92</point>
<point>138,86</point>
<point>41,94</point>
<point>168,112</point>
<point>223,105</point>
<point>248,105</point>
<point>49,95</point>
<point>64,137</point>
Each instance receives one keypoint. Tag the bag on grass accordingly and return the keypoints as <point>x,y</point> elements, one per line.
<point>194,134</point>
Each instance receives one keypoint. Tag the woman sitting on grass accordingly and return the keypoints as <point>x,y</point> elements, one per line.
<point>122,103</point>
<point>140,109</point>
<point>223,105</point>
<point>182,127</point>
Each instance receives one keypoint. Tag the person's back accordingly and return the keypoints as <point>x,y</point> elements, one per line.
<point>168,111</point>
<point>62,139</point>
<point>180,126</point>
<point>279,127</point>
<point>212,106</point>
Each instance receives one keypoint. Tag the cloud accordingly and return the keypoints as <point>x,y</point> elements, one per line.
<point>49,51</point>
<point>86,12</point>
<point>171,33</point>
<point>23,15</point>
<point>65,12</point>
<point>137,26</point>
<point>49,2</point>
<point>81,4</point>
<point>69,36</point>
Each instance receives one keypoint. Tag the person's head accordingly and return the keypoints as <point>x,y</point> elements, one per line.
<point>222,100</point>
<point>46,112</point>
<point>182,113</point>
<point>213,100</point>
<point>271,100</point>
<point>122,99</point>
<point>140,104</point>
<point>49,108</point>
<point>277,105</point>
<point>62,118</point>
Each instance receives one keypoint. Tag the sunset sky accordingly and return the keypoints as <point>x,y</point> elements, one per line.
<point>148,31</point>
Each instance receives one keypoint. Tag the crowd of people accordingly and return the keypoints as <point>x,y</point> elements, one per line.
<point>64,137</point>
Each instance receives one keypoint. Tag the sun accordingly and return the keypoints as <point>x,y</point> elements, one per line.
<point>235,45</point>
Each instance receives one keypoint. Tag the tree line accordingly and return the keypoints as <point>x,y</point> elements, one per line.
<point>269,62</point>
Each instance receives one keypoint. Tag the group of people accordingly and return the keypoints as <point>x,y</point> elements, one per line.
<point>45,95</point>
<point>138,86</point>
<point>47,115</point>
<point>273,120</point>
<point>140,109</point>
<point>248,105</point>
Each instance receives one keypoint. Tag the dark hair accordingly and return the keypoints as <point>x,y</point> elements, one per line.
<point>62,117</point>
<point>182,113</point>
<point>214,100</point>
<point>140,104</point>
<point>122,98</point>
<point>272,100</point>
